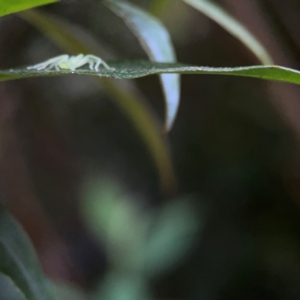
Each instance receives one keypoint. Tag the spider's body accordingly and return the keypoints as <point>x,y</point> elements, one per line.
<point>66,62</point>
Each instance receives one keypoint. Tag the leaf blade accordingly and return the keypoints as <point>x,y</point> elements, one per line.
<point>137,69</point>
<point>172,232</point>
<point>13,6</point>
<point>18,260</point>
<point>156,41</point>
<point>9,291</point>
<point>233,26</point>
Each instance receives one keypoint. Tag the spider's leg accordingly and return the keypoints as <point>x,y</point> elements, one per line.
<point>95,60</point>
<point>80,62</point>
<point>98,62</point>
<point>92,61</point>
<point>57,64</point>
<point>49,62</point>
<point>49,67</point>
<point>91,65</point>
<point>39,66</point>
<point>106,65</point>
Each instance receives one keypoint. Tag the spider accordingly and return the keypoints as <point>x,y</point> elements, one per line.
<point>66,62</point>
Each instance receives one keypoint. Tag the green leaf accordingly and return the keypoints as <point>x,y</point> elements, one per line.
<point>113,218</point>
<point>13,6</point>
<point>130,102</point>
<point>66,291</point>
<point>19,262</point>
<point>155,39</point>
<point>173,231</point>
<point>233,26</point>
<point>123,286</point>
<point>136,69</point>
<point>8,289</point>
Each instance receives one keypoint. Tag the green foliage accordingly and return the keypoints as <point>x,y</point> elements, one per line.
<point>9,290</point>
<point>123,286</point>
<point>233,26</point>
<point>114,219</point>
<point>20,272</point>
<point>141,245</point>
<point>171,234</point>
<point>157,43</point>
<point>63,291</point>
<point>137,69</point>
<point>13,6</point>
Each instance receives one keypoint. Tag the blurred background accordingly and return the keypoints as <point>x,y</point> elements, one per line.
<point>79,178</point>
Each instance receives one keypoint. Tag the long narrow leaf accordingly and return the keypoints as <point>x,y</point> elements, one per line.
<point>156,41</point>
<point>19,262</point>
<point>136,69</point>
<point>233,26</point>
<point>9,291</point>
<point>12,6</point>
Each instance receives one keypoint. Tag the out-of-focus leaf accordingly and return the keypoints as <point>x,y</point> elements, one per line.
<point>135,240</point>
<point>113,218</point>
<point>123,286</point>
<point>8,289</point>
<point>128,101</point>
<point>13,6</point>
<point>64,291</point>
<point>233,26</point>
<point>156,41</point>
<point>158,6</point>
<point>136,69</point>
<point>172,233</point>
<point>19,262</point>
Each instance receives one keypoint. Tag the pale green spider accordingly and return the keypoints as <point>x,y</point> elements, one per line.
<point>66,62</point>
